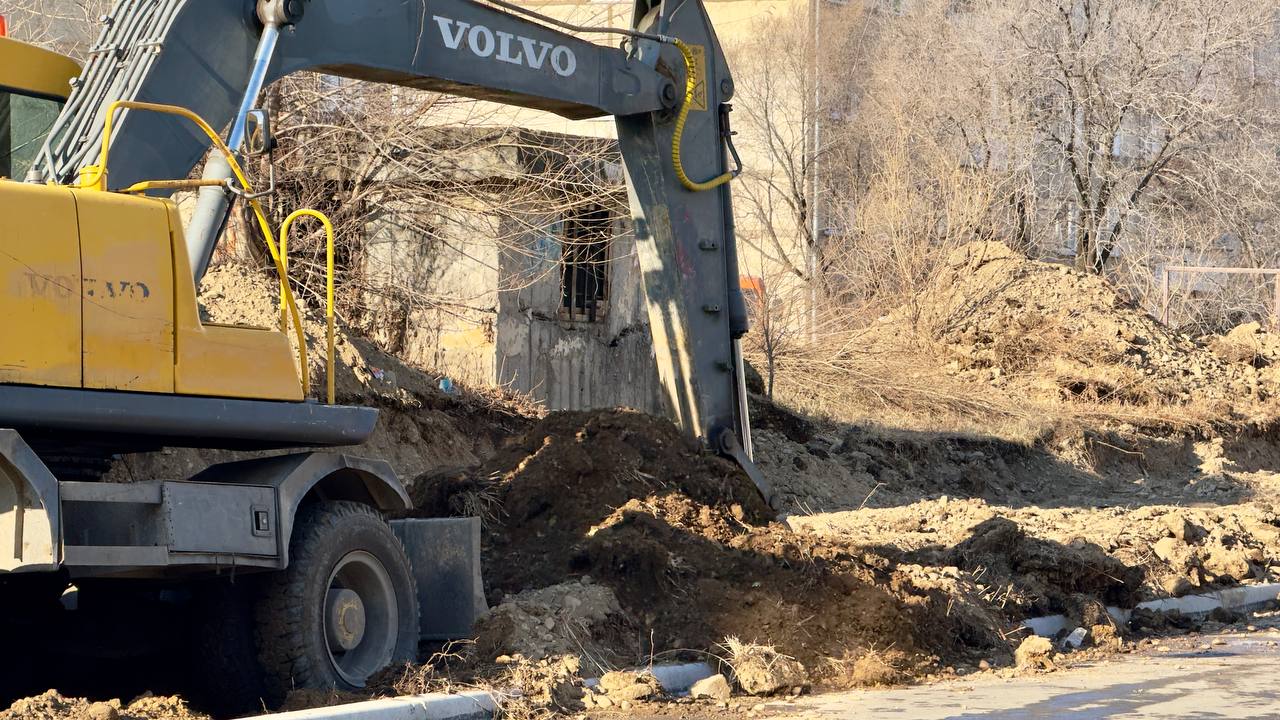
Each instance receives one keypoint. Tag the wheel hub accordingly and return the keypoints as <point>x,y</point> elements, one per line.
<point>344,619</point>
<point>361,617</point>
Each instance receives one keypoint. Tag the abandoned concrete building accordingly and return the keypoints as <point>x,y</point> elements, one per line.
<point>538,291</point>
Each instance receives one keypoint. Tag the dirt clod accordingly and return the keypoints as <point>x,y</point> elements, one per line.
<point>761,669</point>
<point>714,688</point>
<point>1035,653</point>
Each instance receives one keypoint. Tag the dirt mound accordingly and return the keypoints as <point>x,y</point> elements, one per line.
<point>1036,561</point>
<point>576,618</point>
<point>999,316</point>
<point>1043,576</point>
<point>53,706</point>
<point>692,554</point>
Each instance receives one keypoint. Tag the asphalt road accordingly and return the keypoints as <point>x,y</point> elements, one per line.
<point>1240,679</point>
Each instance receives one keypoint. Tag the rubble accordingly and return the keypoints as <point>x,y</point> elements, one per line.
<point>53,706</point>
<point>563,619</point>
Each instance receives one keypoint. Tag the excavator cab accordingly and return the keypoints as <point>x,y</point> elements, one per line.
<point>34,85</point>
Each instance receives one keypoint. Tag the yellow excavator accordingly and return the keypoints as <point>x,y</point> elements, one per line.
<point>104,352</point>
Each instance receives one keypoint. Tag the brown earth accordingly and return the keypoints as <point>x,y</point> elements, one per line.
<point>694,556</point>
<point>1000,317</point>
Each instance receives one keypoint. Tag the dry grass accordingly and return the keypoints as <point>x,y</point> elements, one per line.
<point>761,669</point>
<point>871,668</point>
<point>480,501</point>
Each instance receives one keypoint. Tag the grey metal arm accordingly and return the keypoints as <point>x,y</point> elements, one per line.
<point>200,53</point>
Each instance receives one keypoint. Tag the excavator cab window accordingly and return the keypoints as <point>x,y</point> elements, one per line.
<point>25,120</point>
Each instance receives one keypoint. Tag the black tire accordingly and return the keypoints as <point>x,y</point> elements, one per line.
<point>330,539</point>
<point>226,677</point>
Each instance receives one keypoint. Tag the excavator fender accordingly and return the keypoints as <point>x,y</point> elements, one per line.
<point>323,476</point>
<point>30,524</point>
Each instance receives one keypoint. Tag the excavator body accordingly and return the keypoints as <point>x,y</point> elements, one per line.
<point>105,351</point>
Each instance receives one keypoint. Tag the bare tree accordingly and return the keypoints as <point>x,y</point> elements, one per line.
<point>1139,103</point>
<point>67,26</point>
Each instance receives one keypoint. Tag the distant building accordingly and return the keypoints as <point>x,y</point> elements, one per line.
<point>546,300</point>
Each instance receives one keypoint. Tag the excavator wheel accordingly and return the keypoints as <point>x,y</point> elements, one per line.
<point>226,677</point>
<point>345,608</point>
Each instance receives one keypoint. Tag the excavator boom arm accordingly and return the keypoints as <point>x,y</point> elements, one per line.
<point>213,56</point>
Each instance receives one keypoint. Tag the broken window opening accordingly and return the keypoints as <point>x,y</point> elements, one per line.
<point>584,265</point>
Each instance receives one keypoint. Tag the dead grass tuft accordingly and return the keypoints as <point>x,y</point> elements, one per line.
<point>761,669</point>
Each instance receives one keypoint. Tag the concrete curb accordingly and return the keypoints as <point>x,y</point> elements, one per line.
<point>435,706</point>
<point>1245,597</point>
<point>675,679</point>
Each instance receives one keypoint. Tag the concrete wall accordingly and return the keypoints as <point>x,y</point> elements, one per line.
<point>434,295</point>
<point>582,364</point>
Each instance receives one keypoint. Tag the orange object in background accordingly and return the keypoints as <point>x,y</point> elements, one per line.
<point>4,27</point>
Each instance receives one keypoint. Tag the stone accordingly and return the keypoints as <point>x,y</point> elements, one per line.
<point>1167,549</point>
<point>102,711</point>
<point>715,687</point>
<point>1181,528</point>
<point>1227,562</point>
<point>1076,638</point>
<point>618,679</point>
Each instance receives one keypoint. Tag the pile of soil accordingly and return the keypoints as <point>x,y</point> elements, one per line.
<point>694,556</point>
<point>999,317</point>
<point>52,706</point>
<point>1117,555</point>
<point>572,618</point>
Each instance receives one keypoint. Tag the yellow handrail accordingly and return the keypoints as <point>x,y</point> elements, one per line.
<point>328,301</point>
<point>94,177</point>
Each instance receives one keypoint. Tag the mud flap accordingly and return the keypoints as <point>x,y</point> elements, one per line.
<point>30,527</point>
<point>445,556</point>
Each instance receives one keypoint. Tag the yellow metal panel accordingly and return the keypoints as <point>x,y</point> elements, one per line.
<point>127,275</point>
<point>33,70</point>
<point>237,362</point>
<point>39,286</point>
<point>225,361</point>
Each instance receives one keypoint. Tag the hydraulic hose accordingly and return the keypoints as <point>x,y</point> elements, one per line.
<point>690,86</point>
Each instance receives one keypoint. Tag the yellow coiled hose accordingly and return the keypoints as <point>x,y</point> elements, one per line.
<point>691,84</point>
